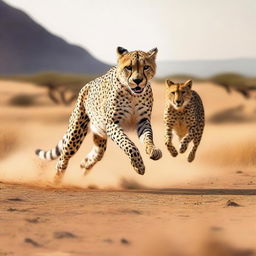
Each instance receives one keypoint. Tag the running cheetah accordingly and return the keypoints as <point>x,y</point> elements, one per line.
<point>108,103</point>
<point>184,113</point>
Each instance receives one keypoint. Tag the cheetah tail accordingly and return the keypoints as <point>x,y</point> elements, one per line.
<point>52,153</point>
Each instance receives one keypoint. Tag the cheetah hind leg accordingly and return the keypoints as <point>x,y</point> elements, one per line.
<point>74,137</point>
<point>96,153</point>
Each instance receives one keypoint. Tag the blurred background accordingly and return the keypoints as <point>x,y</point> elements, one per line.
<point>49,49</point>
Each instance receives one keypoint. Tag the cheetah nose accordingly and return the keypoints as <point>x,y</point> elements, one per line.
<point>137,80</point>
<point>178,101</point>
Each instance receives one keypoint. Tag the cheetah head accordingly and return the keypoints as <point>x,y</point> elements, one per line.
<point>135,69</point>
<point>178,94</point>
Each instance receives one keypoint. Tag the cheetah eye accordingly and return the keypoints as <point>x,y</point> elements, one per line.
<point>173,93</point>
<point>128,68</point>
<point>183,92</point>
<point>146,67</point>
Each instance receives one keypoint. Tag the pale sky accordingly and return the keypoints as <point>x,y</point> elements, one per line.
<point>181,29</point>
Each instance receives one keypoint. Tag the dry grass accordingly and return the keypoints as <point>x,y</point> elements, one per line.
<point>234,154</point>
<point>9,141</point>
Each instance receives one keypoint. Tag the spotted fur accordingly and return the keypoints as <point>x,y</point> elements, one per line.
<point>109,103</point>
<point>184,114</point>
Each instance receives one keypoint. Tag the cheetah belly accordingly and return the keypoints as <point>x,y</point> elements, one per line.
<point>98,129</point>
<point>180,129</point>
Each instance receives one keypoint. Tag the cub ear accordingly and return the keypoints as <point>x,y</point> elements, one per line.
<point>188,84</point>
<point>153,52</point>
<point>121,51</point>
<point>169,82</point>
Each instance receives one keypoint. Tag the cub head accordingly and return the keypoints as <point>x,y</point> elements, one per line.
<point>178,94</point>
<point>135,69</point>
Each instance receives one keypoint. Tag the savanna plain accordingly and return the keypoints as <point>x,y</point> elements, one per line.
<point>207,207</point>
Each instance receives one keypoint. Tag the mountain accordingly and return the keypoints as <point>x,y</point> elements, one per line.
<point>206,68</point>
<point>26,47</point>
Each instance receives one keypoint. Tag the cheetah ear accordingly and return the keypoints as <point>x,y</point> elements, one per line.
<point>121,51</point>
<point>169,82</point>
<point>153,52</point>
<point>188,84</point>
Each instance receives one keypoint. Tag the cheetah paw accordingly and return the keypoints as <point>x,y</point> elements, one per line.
<point>173,151</point>
<point>139,169</point>
<point>155,154</point>
<point>87,163</point>
<point>183,148</point>
<point>58,177</point>
<point>191,157</point>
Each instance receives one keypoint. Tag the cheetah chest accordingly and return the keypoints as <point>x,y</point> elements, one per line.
<point>180,128</point>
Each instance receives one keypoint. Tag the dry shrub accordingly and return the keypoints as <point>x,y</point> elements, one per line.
<point>8,141</point>
<point>235,154</point>
<point>22,100</point>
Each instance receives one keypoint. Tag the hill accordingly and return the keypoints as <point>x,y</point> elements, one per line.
<point>26,47</point>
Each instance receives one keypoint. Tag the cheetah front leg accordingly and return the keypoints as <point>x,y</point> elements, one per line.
<point>169,133</point>
<point>96,153</point>
<point>121,139</point>
<point>145,135</point>
<point>168,141</point>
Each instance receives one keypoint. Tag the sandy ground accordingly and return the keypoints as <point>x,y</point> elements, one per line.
<point>176,208</point>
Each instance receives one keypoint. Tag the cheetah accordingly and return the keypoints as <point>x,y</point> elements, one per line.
<point>108,103</point>
<point>184,113</point>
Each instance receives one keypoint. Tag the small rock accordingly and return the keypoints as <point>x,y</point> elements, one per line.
<point>108,240</point>
<point>215,228</point>
<point>124,241</point>
<point>16,199</point>
<point>239,172</point>
<point>60,235</point>
<point>232,204</point>
<point>33,220</point>
<point>32,242</point>
<point>131,211</point>
<point>11,209</point>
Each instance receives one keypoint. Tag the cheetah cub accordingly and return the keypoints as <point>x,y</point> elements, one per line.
<point>184,113</point>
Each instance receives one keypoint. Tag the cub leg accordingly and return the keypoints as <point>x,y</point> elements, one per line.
<point>169,123</point>
<point>196,142</point>
<point>168,142</point>
<point>187,139</point>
